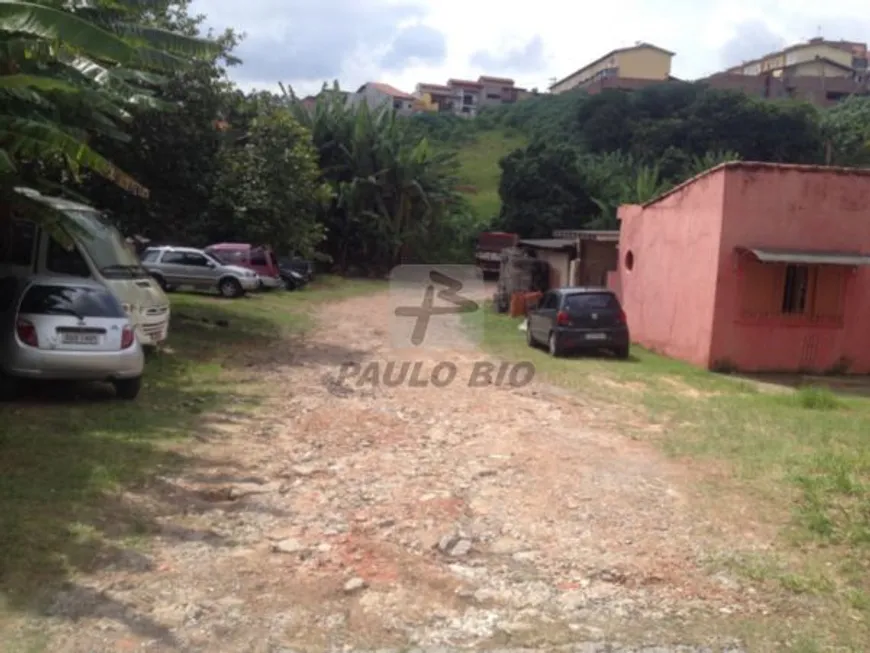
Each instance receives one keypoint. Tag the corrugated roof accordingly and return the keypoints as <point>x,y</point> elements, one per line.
<point>588,234</point>
<point>807,257</point>
<point>549,243</point>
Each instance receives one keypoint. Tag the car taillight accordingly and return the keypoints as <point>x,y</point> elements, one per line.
<point>622,318</point>
<point>562,318</point>
<point>27,333</point>
<point>127,337</point>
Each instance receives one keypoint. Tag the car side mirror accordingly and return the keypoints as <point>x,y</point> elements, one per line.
<point>210,264</point>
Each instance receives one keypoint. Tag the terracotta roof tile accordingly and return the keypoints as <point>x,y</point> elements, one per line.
<point>392,91</point>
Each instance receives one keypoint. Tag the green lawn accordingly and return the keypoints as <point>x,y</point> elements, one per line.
<point>480,169</point>
<point>803,455</point>
<point>65,459</point>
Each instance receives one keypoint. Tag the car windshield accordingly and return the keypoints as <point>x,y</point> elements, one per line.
<point>214,259</point>
<point>77,301</point>
<point>590,301</point>
<point>104,246</point>
<point>229,256</point>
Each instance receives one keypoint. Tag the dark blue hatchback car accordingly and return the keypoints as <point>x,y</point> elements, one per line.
<point>579,319</point>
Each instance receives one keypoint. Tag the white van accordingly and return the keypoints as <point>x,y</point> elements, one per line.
<point>94,249</point>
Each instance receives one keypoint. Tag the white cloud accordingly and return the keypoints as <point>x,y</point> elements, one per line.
<point>306,42</point>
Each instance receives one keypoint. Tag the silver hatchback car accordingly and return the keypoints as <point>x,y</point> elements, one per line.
<point>58,328</point>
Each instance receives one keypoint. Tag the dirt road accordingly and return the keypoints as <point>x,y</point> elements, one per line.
<point>345,516</point>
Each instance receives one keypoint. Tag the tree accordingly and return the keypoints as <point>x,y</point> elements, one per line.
<point>846,131</point>
<point>68,74</point>
<point>394,196</point>
<point>268,189</point>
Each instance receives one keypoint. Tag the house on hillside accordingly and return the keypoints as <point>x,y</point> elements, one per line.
<point>467,96</point>
<point>819,71</point>
<point>629,68</point>
<point>755,267</point>
<point>440,95</point>
<point>377,94</point>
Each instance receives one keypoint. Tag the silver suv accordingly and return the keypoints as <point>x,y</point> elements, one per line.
<point>185,266</point>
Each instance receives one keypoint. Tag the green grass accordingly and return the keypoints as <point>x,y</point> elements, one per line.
<point>65,459</point>
<point>480,169</point>
<point>802,454</point>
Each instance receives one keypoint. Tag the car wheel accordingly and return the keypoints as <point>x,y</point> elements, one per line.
<point>230,288</point>
<point>530,339</point>
<point>622,352</point>
<point>289,284</point>
<point>553,345</point>
<point>128,389</point>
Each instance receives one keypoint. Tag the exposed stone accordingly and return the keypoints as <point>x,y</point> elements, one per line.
<point>461,548</point>
<point>355,585</point>
<point>289,546</point>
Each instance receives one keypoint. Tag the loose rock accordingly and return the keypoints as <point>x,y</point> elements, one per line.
<point>354,585</point>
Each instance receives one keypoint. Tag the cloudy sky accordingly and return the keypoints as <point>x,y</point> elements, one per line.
<point>401,42</point>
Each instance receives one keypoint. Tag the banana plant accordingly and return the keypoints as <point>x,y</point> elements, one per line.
<point>70,71</point>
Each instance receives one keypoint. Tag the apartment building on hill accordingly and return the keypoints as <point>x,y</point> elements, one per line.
<point>818,71</point>
<point>628,68</point>
<point>467,97</point>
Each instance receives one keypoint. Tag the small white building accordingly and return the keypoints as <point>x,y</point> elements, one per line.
<point>377,94</point>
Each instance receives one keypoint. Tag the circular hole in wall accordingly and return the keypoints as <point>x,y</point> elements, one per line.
<point>629,260</point>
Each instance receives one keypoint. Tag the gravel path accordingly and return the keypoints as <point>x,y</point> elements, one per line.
<point>345,516</point>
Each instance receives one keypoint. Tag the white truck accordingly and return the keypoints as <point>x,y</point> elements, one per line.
<point>84,244</point>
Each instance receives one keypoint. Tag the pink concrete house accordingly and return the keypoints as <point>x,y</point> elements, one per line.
<point>754,267</point>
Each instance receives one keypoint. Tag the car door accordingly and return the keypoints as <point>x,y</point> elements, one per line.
<point>171,266</point>
<point>200,269</point>
<point>547,316</point>
<point>536,316</point>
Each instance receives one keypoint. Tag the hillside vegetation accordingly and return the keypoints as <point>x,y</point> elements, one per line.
<point>479,168</point>
<point>578,157</point>
<point>370,189</point>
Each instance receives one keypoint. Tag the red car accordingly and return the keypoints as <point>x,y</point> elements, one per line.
<point>259,259</point>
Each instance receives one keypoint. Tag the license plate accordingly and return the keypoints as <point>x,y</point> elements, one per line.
<point>80,339</point>
<point>596,336</point>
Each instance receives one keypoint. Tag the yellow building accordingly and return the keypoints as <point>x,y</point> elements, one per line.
<point>815,58</point>
<point>643,61</point>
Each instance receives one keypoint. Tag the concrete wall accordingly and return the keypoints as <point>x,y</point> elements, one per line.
<point>819,69</point>
<point>644,63</point>
<point>797,208</point>
<point>376,98</point>
<point>820,91</point>
<point>560,266</point>
<point>596,260</point>
<point>667,277</point>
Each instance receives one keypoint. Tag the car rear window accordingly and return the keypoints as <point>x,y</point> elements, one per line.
<point>259,257</point>
<point>591,301</point>
<point>70,300</point>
